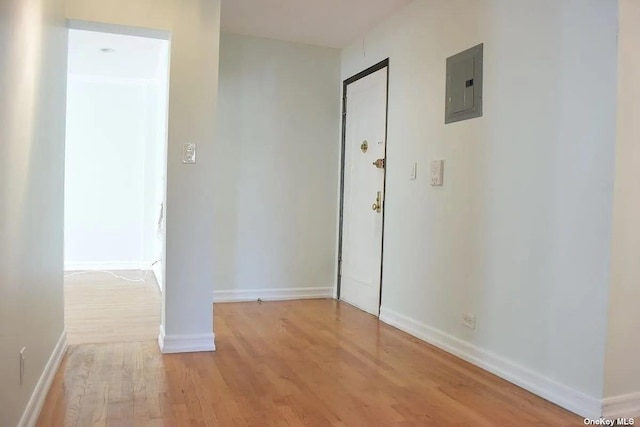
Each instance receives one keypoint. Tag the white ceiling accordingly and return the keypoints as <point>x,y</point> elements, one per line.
<point>132,58</point>
<point>331,23</point>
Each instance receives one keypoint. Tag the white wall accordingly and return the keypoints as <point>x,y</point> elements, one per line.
<point>156,175</point>
<point>623,340</point>
<point>32,84</point>
<point>190,231</point>
<point>519,234</point>
<point>278,122</point>
<point>113,172</point>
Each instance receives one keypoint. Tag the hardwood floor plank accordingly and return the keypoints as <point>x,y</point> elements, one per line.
<point>295,363</point>
<point>102,308</point>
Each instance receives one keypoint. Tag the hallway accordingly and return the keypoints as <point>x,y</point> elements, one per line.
<point>297,363</point>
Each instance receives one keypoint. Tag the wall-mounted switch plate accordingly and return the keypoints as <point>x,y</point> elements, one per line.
<point>437,173</point>
<point>189,153</point>
<point>22,356</point>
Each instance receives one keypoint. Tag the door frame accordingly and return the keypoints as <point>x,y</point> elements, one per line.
<point>377,67</point>
<point>150,33</point>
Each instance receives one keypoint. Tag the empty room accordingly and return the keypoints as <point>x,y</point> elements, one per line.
<point>306,213</point>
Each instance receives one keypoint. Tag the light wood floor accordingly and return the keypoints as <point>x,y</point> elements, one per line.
<point>296,363</point>
<point>100,308</point>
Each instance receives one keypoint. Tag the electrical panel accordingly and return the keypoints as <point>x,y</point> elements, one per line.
<point>464,85</point>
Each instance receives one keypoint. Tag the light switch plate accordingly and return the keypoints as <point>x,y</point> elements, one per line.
<point>437,173</point>
<point>189,153</point>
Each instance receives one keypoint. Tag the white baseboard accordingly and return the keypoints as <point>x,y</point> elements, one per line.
<point>244,295</point>
<point>566,397</point>
<point>625,406</point>
<point>32,411</point>
<point>170,344</point>
<point>107,266</point>
<point>157,272</point>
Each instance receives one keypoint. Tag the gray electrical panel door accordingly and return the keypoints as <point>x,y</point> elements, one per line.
<point>464,85</point>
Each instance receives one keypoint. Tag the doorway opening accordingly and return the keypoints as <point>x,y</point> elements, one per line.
<point>115,185</point>
<point>362,188</point>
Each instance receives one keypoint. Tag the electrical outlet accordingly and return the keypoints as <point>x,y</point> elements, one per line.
<point>469,320</point>
<point>22,355</point>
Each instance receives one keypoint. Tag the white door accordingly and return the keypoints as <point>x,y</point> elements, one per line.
<point>365,133</point>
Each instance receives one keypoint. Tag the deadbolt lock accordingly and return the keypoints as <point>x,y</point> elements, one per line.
<point>380,163</point>
<point>377,206</point>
